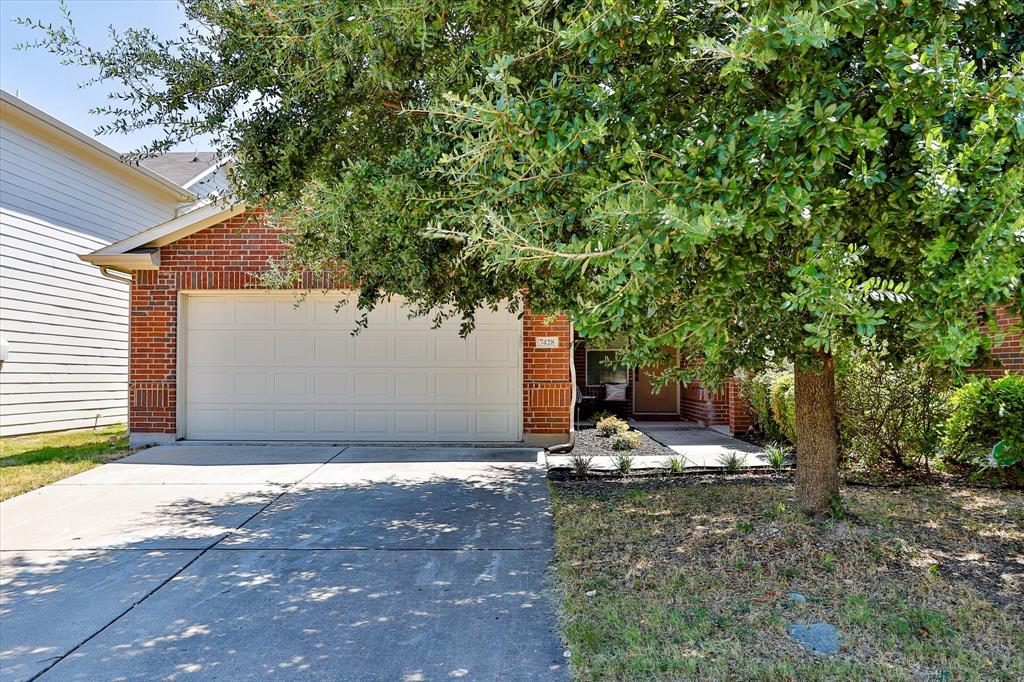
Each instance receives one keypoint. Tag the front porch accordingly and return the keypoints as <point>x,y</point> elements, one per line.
<point>629,393</point>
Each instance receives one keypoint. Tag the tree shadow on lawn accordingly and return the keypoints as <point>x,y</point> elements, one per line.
<point>915,580</point>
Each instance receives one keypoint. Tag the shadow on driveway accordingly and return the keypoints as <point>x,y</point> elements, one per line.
<point>414,571</point>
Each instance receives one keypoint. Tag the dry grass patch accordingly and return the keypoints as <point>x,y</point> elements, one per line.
<point>689,582</point>
<point>30,462</point>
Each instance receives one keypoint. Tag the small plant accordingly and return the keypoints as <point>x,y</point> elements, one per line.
<point>624,463</point>
<point>609,426</point>
<point>776,454</point>
<point>581,463</point>
<point>733,461</point>
<point>601,415</point>
<point>627,440</point>
<point>676,465</point>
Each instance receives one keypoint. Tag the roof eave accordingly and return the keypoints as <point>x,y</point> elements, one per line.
<point>125,262</point>
<point>175,229</point>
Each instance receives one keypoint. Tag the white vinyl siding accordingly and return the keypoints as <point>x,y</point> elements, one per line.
<point>66,325</point>
<point>260,367</point>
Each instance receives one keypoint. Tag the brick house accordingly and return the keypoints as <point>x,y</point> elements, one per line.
<point>214,356</point>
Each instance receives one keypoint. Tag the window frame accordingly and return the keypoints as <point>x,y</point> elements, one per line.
<point>586,367</point>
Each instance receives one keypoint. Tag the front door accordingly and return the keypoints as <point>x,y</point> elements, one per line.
<point>646,400</point>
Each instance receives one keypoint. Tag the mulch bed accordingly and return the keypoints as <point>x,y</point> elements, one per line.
<point>590,442</point>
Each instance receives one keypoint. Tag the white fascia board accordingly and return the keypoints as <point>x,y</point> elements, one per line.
<point>171,231</point>
<point>125,262</point>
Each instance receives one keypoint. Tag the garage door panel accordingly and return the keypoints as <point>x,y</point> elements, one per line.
<point>253,311</point>
<point>412,423</point>
<point>495,388</point>
<point>210,312</point>
<point>258,367</point>
<point>368,349</point>
<point>413,349</point>
<point>452,386</point>
<point>371,422</point>
<point>332,384</point>
<point>292,384</point>
<point>331,423</point>
<point>413,386</point>
<point>493,423</point>
<point>332,311</point>
<point>207,419</point>
<point>371,385</point>
<point>495,349</point>
<point>290,313</point>
<point>450,349</point>
<point>332,347</point>
<point>249,421</point>
<point>453,423</point>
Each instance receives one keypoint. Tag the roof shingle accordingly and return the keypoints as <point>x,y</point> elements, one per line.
<point>180,167</point>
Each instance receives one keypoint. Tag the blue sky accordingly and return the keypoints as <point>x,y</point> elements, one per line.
<point>45,83</point>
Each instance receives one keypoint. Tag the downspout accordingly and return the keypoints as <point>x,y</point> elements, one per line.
<point>571,443</point>
<point>117,278</point>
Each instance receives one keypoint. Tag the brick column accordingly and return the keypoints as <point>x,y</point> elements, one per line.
<point>547,385</point>
<point>741,414</point>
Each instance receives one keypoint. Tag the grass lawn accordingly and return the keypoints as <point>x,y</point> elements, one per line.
<point>689,581</point>
<point>30,462</point>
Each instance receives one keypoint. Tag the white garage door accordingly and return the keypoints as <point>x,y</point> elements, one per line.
<point>261,367</point>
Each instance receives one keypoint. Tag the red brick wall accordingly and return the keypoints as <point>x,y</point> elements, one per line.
<point>231,255</point>
<point>700,405</point>
<point>547,384</point>
<point>1007,354</point>
<point>741,414</point>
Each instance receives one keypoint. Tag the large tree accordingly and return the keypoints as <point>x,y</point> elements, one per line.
<point>740,180</point>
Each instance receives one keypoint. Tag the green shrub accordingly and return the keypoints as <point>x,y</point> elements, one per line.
<point>624,463</point>
<point>581,463</point>
<point>888,411</point>
<point>733,460</point>
<point>986,413</point>
<point>609,426</point>
<point>627,440</point>
<point>776,454</point>
<point>782,400</point>
<point>756,390</point>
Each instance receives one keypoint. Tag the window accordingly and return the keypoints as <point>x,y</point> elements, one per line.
<point>600,372</point>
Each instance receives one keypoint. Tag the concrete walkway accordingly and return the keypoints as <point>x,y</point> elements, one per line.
<point>300,562</point>
<point>699,446</point>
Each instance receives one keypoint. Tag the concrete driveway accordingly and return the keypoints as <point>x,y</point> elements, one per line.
<point>297,562</point>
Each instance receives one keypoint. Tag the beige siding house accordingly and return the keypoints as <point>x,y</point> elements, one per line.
<point>63,324</point>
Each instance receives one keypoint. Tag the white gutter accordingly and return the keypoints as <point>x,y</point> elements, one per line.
<point>124,279</point>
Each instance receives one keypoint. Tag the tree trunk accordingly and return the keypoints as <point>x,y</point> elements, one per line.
<point>817,440</point>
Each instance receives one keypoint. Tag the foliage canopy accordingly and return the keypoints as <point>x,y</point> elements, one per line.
<point>738,180</point>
